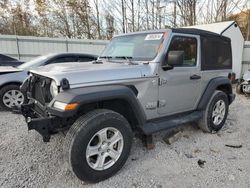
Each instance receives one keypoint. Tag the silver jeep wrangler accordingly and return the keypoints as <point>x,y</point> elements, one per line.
<point>143,82</point>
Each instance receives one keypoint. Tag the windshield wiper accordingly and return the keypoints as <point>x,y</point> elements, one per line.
<point>106,57</point>
<point>124,57</point>
<point>128,58</point>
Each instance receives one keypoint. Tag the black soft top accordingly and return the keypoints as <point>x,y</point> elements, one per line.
<point>199,32</point>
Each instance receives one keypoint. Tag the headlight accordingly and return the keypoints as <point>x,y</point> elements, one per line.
<point>59,105</point>
<point>53,89</point>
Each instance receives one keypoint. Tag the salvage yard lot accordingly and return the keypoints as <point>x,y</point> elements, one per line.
<point>25,161</point>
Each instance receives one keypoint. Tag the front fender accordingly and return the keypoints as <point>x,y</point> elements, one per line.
<point>16,77</point>
<point>92,94</point>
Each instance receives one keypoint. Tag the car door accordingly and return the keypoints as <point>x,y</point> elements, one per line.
<point>179,87</point>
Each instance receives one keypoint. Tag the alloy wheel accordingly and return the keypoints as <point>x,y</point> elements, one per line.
<point>219,111</point>
<point>13,98</point>
<point>104,148</point>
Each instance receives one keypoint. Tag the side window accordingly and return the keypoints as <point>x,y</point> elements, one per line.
<point>188,45</point>
<point>64,60</point>
<point>84,59</point>
<point>217,54</point>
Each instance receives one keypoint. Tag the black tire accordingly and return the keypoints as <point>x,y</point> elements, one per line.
<point>80,134</point>
<point>206,123</point>
<point>6,89</point>
<point>239,89</point>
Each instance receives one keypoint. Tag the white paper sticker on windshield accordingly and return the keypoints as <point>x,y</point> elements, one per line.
<point>155,36</point>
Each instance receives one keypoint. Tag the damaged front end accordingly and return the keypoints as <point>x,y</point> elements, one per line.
<point>37,111</point>
<point>246,87</point>
<point>45,126</point>
<point>243,87</point>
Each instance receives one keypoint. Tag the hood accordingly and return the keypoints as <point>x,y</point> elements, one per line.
<point>8,69</point>
<point>246,76</point>
<point>83,73</point>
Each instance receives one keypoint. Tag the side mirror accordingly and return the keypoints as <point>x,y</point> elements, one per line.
<point>175,58</point>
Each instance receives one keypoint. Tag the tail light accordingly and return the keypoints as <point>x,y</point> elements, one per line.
<point>232,76</point>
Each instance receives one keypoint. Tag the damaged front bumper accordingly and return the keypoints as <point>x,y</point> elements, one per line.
<point>45,126</point>
<point>246,87</point>
<point>42,125</point>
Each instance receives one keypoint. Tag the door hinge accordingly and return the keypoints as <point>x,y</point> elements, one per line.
<point>162,81</point>
<point>161,103</point>
<point>151,105</point>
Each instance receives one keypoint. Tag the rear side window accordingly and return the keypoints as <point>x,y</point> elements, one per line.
<point>188,45</point>
<point>217,54</point>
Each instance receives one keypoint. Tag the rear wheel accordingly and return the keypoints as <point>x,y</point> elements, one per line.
<point>10,96</point>
<point>98,145</point>
<point>216,112</point>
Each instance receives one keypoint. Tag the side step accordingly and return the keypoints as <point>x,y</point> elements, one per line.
<point>170,122</point>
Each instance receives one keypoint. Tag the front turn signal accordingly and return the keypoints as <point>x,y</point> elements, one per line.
<point>65,106</point>
<point>72,106</point>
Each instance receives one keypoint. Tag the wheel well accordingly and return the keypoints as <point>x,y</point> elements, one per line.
<point>10,83</point>
<point>226,89</point>
<point>120,106</point>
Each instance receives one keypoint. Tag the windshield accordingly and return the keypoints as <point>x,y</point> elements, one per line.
<point>142,47</point>
<point>34,62</point>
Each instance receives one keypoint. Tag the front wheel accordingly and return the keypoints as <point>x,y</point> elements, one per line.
<point>216,112</point>
<point>10,96</point>
<point>98,145</point>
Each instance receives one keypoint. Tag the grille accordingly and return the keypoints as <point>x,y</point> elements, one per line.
<point>40,89</point>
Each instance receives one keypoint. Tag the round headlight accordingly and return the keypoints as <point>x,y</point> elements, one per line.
<point>53,89</point>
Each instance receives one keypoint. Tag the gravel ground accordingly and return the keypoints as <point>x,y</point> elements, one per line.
<point>25,161</point>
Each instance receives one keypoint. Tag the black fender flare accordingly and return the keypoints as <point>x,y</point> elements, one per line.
<point>85,95</point>
<point>211,87</point>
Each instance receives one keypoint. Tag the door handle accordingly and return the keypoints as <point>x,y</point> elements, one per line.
<point>195,77</point>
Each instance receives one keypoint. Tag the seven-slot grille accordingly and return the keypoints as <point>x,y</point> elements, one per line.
<point>40,89</point>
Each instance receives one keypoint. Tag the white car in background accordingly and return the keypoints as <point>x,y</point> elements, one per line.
<point>12,77</point>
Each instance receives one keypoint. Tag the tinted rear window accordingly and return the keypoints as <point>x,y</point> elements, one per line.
<point>217,54</point>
